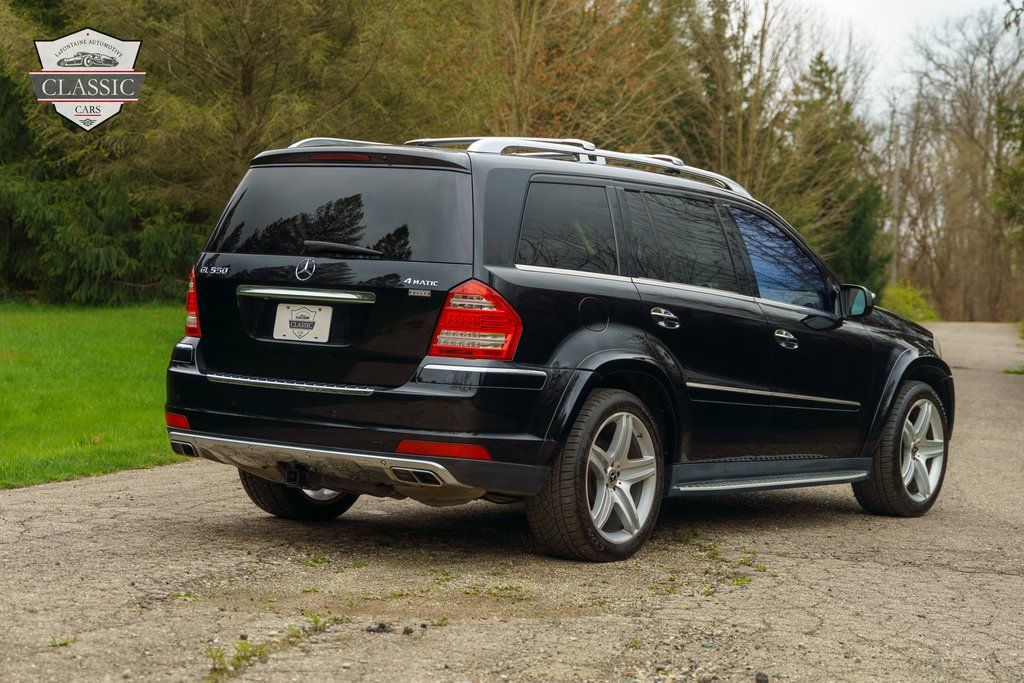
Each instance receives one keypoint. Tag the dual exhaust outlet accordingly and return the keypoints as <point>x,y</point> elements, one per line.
<point>406,475</point>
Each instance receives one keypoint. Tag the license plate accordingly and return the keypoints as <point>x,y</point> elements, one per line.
<point>302,322</point>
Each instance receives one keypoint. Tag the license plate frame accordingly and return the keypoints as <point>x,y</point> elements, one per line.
<point>300,322</point>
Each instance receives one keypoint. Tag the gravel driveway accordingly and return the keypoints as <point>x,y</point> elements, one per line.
<point>171,573</point>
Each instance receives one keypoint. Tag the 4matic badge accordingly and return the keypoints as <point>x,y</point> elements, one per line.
<point>87,75</point>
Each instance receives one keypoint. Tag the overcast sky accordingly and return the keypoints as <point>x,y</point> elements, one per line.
<point>887,26</point>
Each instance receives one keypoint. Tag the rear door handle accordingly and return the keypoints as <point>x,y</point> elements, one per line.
<point>786,340</point>
<point>665,318</point>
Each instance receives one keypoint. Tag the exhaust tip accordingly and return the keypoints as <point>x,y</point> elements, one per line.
<point>416,477</point>
<point>183,448</point>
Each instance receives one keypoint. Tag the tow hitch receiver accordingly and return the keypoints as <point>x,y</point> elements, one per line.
<point>299,475</point>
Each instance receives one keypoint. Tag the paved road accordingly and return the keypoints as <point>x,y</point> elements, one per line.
<point>140,573</point>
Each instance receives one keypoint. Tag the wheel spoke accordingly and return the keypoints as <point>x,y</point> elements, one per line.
<point>604,502</point>
<point>924,418</point>
<point>907,469</point>
<point>635,471</point>
<point>602,458</point>
<point>626,510</point>
<point>930,449</point>
<point>908,434</point>
<point>921,478</point>
<point>618,449</point>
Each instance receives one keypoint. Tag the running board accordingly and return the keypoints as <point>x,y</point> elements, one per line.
<point>757,473</point>
<point>779,481</point>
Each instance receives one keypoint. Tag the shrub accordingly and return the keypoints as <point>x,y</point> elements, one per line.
<point>908,301</point>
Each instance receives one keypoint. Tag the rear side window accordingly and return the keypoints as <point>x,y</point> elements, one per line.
<point>568,226</point>
<point>784,271</point>
<point>692,242</point>
<point>408,214</point>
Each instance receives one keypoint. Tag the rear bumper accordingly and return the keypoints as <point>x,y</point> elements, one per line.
<point>352,433</point>
<point>432,480</point>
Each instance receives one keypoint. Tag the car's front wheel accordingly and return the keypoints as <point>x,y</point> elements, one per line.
<point>311,505</point>
<point>605,487</point>
<point>910,463</point>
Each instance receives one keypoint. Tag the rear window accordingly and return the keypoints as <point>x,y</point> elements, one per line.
<point>569,227</point>
<point>408,214</point>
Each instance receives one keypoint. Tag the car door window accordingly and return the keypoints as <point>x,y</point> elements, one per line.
<point>568,227</point>
<point>692,241</point>
<point>783,270</point>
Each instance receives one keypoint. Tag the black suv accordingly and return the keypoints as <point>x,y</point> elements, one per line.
<point>536,319</point>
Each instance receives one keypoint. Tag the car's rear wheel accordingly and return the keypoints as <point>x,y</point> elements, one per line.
<point>604,490</point>
<point>311,505</point>
<point>910,462</point>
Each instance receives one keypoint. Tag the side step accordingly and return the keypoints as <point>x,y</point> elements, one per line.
<point>777,481</point>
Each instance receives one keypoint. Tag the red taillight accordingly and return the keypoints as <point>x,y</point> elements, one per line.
<point>443,449</point>
<point>476,322</point>
<point>176,420</point>
<point>192,308</point>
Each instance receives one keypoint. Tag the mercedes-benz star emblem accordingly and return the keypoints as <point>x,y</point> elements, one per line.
<point>305,270</point>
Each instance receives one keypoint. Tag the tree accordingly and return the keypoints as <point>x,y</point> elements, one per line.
<point>949,149</point>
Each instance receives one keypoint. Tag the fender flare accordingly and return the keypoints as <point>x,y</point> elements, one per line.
<point>911,364</point>
<point>595,370</point>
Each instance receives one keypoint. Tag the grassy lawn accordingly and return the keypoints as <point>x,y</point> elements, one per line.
<point>82,390</point>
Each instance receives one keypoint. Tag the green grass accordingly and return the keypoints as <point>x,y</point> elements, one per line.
<point>82,390</point>
<point>1020,370</point>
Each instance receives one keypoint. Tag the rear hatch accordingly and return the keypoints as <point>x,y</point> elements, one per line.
<point>331,266</point>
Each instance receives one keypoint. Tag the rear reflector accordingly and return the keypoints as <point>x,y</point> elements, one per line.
<point>443,449</point>
<point>176,420</point>
<point>476,322</point>
<point>192,308</point>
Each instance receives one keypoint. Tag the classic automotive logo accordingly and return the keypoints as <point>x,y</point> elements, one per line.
<point>87,75</point>
<point>302,322</point>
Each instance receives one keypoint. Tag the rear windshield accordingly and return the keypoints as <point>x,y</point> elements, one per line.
<point>407,214</point>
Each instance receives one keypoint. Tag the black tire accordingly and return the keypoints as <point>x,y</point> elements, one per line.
<point>560,514</point>
<point>883,492</point>
<point>292,503</point>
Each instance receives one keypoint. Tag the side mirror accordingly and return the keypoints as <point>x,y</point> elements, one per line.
<point>856,301</point>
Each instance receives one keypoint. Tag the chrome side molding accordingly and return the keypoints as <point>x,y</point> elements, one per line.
<point>772,394</point>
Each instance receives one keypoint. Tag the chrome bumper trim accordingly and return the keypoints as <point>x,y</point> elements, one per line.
<point>485,370</point>
<point>262,455</point>
<point>290,385</point>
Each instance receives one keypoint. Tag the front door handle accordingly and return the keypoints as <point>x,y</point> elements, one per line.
<point>786,340</point>
<point>665,318</point>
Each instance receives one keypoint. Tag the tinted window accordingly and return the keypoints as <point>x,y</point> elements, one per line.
<point>647,260</point>
<point>568,226</point>
<point>408,214</point>
<point>692,242</point>
<point>783,270</point>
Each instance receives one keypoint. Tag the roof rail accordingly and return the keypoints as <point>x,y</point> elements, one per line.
<point>584,152</point>
<point>333,142</point>
<point>448,142</point>
<point>667,157</point>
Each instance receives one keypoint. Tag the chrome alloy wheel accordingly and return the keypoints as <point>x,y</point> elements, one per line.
<point>922,450</point>
<point>621,477</point>
<point>321,495</point>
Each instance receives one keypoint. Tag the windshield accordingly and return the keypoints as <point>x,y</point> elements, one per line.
<point>406,214</point>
